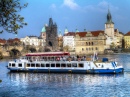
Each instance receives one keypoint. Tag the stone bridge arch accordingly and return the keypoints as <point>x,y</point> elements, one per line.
<point>14,52</point>
<point>48,49</point>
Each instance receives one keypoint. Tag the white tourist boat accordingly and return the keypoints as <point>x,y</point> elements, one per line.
<point>62,62</point>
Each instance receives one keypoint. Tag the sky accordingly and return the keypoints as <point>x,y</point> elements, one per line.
<point>73,14</point>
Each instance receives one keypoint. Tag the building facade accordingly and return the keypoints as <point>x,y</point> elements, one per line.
<point>33,40</point>
<point>69,40</point>
<point>127,40</point>
<point>90,42</point>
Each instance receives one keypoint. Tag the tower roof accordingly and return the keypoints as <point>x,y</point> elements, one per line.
<point>77,30</point>
<point>66,30</point>
<point>109,17</point>
<point>60,34</point>
<point>43,29</point>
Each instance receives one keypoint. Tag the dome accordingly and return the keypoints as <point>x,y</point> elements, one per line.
<point>43,29</point>
<point>66,30</point>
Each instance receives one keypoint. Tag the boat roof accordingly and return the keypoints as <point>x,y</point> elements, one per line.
<point>49,54</point>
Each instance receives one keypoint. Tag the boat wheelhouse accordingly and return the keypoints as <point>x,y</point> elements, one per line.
<point>62,62</point>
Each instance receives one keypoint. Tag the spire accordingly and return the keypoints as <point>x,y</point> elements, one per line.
<point>50,22</point>
<point>44,29</point>
<point>60,34</point>
<point>109,17</point>
<point>77,30</point>
<point>66,30</point>
<point>85,30</point>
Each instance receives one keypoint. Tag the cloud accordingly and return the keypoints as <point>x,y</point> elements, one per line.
<point>53,6</point>
<point>71,4</point>
<point>101,7</point>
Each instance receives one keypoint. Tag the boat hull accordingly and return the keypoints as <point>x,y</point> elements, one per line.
<point>91,71</point>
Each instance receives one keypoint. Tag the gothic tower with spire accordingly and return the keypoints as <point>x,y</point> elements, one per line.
<point>109,25</point>
<point>51,36</point>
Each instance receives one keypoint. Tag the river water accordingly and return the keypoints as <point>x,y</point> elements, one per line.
<point>67,85</point>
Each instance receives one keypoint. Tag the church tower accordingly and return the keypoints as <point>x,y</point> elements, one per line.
<point>51,36</point>
<point>109,25</point>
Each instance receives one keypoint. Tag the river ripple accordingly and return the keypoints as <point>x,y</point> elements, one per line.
<point>66,85</point>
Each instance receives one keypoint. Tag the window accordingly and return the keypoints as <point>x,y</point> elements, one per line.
<point>9,64</point>
<point>32,65</point>
<point>74,64</point>
<point>37,64</point>
<point>28,65</point>
<point>68,64</point>
<point>57,64</point>
<point>47,65</point>
<point>80,65</point>
<point>63,65</point>
<point>82,49</point>
<point>96,48</point>
<point>20,65</point>
<point>52,65</point>
<point>13,64</point>
<point>42,65</point>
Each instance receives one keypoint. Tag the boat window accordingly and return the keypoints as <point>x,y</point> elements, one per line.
<point>47,65</point>
<point>37,64</point>
<point>9,64</point>
<point>28,65</point>
<point>74,64</point>
<point>57,64</point>
<point>80,65</point>
<point>20,65</point>
<point>68,64</point>
<point>52,65</point>
<point>32,65</point>
<point>63,65</point>
<point>13,64</point>
<point>42,65</point>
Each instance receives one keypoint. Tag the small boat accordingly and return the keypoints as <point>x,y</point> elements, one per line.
<point>62,62</point>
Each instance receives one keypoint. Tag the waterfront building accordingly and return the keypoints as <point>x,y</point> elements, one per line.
<point>33,40</point>
<point>88,42</point>
<point>2,42</point>
<point>68,40</point>
<point>127,40</point>
<point>13,42</point>
<point>51,36</point>
<point>113,36</point>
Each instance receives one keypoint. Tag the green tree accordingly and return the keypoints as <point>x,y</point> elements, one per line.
<point>10,20</point>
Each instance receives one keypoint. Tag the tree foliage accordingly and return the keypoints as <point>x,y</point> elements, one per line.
<point>10,20</point>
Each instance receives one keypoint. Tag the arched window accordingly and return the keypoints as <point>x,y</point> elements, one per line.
<point>86,43</point>
<point>92,43</point>
<point>96,48</point>
<point>89,43</point>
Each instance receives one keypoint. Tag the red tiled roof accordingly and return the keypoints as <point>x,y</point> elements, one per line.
<point>94,33</point>
<point>127,34</point>
<point>2,41</point>
<point>70,34</point>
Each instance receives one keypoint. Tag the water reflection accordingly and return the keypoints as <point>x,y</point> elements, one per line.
<point>43,78</point>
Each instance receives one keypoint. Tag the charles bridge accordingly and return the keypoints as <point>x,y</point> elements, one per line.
<point>19,50</point>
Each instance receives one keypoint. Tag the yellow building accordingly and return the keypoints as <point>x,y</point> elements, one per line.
<point>89,42</point>
<point>127,40</point>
